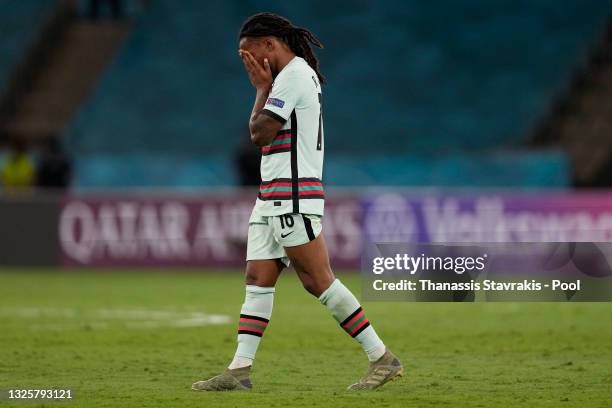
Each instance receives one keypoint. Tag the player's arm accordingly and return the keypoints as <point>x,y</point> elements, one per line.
<point>273,104</point>
<point>263,127</point>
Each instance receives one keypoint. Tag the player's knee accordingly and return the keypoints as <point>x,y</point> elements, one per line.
<point>312,288</point>
<point>257,279</point>
<point>252,275</point>
<point>307,281</point>
<point>315,286</point>
<point>264,275</point>
<point>250,278</point>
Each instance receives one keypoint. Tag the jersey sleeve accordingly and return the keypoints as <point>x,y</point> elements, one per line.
<point>283,98</point>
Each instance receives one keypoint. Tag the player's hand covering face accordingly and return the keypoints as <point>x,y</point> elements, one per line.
<point>260,76</point>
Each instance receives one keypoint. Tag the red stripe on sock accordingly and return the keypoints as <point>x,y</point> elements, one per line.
<point>259,322</point>
<point>249,328</point>
<point>353,320</point>
<point>359,326</point>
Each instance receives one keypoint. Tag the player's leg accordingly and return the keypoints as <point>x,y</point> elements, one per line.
<point>305,246</point>
<point>260,278</point>
<point>311,262</point>
<point>312,265</point>
<point>265,261</point>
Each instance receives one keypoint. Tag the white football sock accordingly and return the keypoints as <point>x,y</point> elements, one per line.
<point>239,362</point>
<point>345,308</point>
<point>254,317</point>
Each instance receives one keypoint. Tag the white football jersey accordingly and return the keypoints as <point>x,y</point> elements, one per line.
<point>292,165</point>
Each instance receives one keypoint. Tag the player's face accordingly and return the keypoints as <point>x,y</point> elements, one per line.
<point>259,48</point>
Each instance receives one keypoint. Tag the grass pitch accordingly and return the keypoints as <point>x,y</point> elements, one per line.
<point>139,339</point>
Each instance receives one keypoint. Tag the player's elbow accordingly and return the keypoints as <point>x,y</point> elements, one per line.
<point>259,138</point>
<point>256,139</point>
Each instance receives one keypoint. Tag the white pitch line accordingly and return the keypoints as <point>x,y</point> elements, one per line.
<point>69,326</point>
<point>128,314</point>
<point>129,318</point>
<point>37,312</point>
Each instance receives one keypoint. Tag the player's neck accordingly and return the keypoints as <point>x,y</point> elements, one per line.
<point>284,59</point>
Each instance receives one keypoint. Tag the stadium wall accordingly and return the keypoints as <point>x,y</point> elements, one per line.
<point>208,229</point>
<point>28,230</point>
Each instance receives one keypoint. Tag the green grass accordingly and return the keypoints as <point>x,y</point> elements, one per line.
<point>456,355</point>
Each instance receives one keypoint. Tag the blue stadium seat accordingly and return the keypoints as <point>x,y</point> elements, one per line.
<point>435,82</point>
<point>18,30</point>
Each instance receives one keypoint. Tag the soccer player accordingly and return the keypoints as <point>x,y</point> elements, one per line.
<point>285,225</point>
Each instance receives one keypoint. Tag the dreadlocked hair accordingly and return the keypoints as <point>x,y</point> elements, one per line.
<point>299,40</point>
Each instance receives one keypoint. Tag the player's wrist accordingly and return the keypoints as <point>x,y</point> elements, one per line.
<point>263,90</point>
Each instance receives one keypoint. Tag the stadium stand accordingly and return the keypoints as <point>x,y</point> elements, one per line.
<point>447,92</point>
<point>16,33</point>
<point>59,65</point>
<point>581,119</point>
